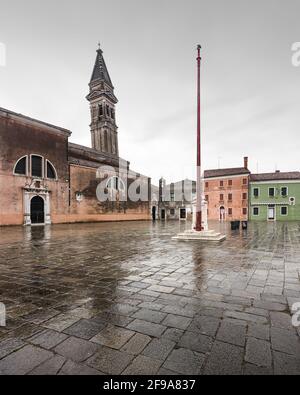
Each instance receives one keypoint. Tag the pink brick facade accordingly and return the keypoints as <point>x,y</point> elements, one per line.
<point>227,193</point>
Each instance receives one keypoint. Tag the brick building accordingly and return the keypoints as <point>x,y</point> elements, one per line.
<point>46,179</point>
<point>226,192</point>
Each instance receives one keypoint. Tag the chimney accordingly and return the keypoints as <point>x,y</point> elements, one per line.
<point>277,171</point>
<point>246,162</point>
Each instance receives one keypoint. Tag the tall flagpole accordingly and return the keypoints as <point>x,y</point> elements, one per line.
<point>199,229</point>
<point>198,226</point>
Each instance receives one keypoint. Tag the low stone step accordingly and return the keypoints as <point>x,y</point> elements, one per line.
<point>210,235</point>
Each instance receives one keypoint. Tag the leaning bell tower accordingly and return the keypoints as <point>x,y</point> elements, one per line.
<point>104,131</point>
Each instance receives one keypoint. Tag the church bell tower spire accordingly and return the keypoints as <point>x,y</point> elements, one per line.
<point>104,131</point>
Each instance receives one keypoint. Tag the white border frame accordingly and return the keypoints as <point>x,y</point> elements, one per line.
<point>271,196</point>
<point>43,166</point>
<point>46,171</point>
<point>255,215</point>
<point>44,200</point>
<point>27,167</point>
<point>274,208</point>
<point>287,191</point>
<point>252,195</point>
<point>179,214</point>
<point>287,211</point>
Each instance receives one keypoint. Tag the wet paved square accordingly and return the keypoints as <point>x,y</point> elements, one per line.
<point>123,298</point>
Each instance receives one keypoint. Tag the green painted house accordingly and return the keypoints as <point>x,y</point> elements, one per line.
<point>274,196</point>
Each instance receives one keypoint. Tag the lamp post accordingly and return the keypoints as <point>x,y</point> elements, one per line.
<point>198,225</point>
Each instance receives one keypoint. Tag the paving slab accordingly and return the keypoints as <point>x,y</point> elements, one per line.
<point>224,359</point>
<point>110,361</point>
<point>113,337</point>
<point>76,349</point>
<point>185,361</point>
<point>23,361</point>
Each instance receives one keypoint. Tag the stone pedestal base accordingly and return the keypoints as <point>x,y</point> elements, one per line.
<point>204,235</point>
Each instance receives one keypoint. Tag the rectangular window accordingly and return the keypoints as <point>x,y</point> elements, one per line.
<point>244,196</point>
<point>284,210</point>
<point>271,192</point>
<point>284,191</point>
<point>172,196</point>
<point>230,183</point>
<point>245,181</point>
<point>230,211</point>
<point>256,192</point>
<point>230,197</point>
<point>221,197</point>
<point>206,185</point>
<point>206,198</point>
<point>100,110</point>
<point>245,211</point>
<point>221,183</point>
<point>36,166</point>
<point>182,213</point>
<point>255,210</point>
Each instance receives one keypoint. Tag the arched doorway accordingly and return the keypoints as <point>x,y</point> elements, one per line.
<point>37,210</point>
<point>222,213</point>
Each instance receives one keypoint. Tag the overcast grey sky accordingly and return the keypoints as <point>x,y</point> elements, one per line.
<point>250,89</point>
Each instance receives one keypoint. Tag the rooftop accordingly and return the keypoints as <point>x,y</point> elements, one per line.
<point>32,121</point>
<point>226,172</point>
<point>277,176</point>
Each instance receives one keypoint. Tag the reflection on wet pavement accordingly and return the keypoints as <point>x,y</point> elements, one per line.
<point>123,297</point>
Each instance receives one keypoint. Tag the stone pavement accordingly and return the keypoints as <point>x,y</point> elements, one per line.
<point>123,298</point>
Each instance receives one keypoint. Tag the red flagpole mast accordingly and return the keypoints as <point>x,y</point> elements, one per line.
<point>198,226</point>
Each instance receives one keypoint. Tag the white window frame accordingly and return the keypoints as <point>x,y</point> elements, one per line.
<point>271,196</point>
<point>46,171</point>
<point>26,169</point>
<point>258,188</point>
<point>258,211</point>
<point>43,166</point>
<point>287,211</point>
<point>287,191</point>
<point>182,208</point>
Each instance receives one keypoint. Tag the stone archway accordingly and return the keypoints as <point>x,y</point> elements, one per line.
<point>36,190</point>
<point>37,210</point>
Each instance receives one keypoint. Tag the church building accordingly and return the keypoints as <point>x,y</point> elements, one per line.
<point>46,179</point>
